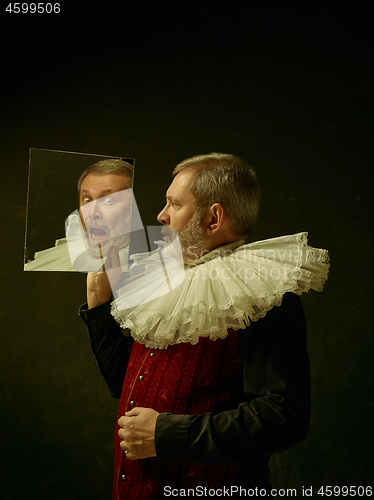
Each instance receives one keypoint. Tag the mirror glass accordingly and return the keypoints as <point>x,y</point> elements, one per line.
<point>71,230</point>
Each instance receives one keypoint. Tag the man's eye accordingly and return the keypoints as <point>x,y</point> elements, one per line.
<point>86,199</point>
<point>108,201</point>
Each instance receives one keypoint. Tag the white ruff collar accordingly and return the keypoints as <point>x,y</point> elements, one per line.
<point>227,288</point>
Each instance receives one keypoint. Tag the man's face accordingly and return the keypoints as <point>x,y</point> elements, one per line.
<point>180,214</point>
<point>105,208</point>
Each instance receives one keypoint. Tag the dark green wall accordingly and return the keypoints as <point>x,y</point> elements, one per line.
<point>285,86</point>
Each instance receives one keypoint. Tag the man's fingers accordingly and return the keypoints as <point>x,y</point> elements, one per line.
<point>112,259</point>
<point>113,266</point>
<point>98,289</point>
<point>124,445</point>
<point>134,412</point>
<point>137,431</point>
<point>125,448</point>
<point>127,453</point>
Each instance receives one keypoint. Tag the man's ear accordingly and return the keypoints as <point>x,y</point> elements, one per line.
<point>215,216</point>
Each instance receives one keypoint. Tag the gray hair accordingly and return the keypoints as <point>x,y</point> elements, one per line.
<point>109,166</point>
<point>228,180</point>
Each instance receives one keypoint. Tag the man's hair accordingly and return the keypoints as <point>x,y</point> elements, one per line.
<point>109,166</point>
<point>228,180</point>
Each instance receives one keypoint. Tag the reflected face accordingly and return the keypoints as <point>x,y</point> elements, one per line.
<point>105,210</point>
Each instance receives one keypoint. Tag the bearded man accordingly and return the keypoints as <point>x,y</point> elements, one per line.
<point>214,378</point>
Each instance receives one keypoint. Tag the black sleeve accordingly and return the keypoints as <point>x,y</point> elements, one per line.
<point>110,346</point>
<point>275,411</point>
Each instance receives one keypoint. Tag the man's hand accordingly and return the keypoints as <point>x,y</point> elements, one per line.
<point>138,433</point>
<point>99,285</point>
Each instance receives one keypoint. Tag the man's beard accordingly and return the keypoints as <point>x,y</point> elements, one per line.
<point>192,238</point>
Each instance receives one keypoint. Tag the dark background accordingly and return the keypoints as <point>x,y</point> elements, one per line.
<point>284,85</point>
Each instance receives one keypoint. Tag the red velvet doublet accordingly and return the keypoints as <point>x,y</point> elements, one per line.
<point>183,379</point>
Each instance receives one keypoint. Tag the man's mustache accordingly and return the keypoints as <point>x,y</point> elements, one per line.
<point>96,224</point>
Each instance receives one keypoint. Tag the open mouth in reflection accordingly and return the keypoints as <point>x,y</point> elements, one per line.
<point>98,235</point>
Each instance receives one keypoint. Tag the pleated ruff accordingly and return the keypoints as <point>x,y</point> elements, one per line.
<point>227,288</point>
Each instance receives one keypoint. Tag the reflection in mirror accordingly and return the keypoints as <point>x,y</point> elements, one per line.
<point>107,210</point>
<point>99,225</point>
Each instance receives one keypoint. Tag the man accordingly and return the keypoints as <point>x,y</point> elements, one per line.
<point>201,414</point>
<point>103,219</point>
<point>105,205</point>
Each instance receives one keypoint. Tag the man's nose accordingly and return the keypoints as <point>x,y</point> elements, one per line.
<point>95,210</point>
<point>163,217</point>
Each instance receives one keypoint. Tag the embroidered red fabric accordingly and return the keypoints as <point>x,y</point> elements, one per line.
<point>182,379</point>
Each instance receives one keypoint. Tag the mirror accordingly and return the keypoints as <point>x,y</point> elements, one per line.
<point>57,241</point>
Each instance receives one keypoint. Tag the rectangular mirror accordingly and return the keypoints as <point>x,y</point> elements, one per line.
<point>56,236</point>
